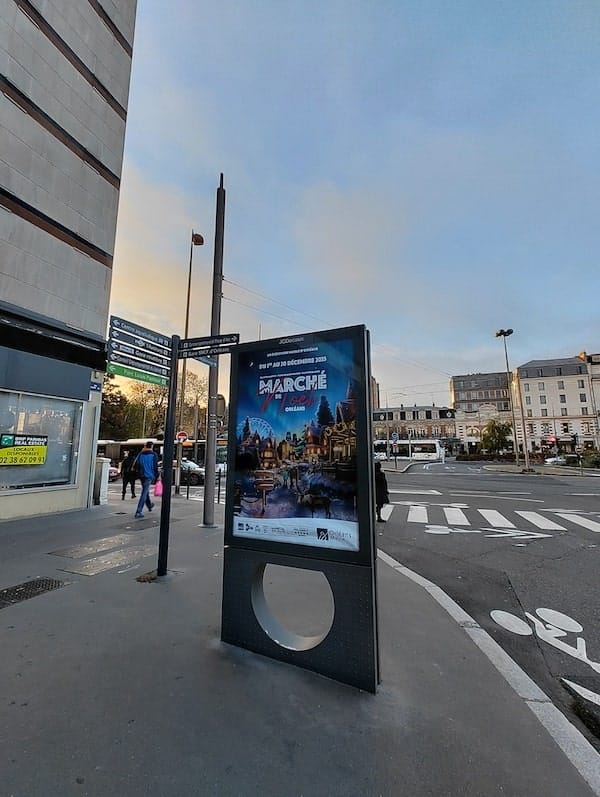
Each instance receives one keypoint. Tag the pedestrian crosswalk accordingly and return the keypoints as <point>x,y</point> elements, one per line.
<point>440,515</point>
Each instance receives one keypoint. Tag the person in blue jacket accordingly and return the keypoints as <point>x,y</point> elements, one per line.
<point>147,467</point>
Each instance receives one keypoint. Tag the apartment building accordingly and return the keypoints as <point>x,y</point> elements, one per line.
<point>425,421</point>
<point>65,71</point>
<point>559,404</point>
<point>469,392</point>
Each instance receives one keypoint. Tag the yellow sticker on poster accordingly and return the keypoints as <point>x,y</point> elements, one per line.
<point>23,449</point>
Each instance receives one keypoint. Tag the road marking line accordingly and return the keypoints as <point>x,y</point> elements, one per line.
<point>540,521</point>
<point>494,518</point>
<point>415,492</point>
<point>386,511</point>
<point>455,516</point>
<point>417,514</point>
<point>580,521</point>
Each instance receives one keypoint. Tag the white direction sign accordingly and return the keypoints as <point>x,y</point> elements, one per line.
<point>208,342</point>
<point>135,347</point>
<point>141,332</point>
<point>215,350</point>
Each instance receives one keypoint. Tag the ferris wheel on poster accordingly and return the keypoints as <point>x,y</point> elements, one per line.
<point>259,425</point>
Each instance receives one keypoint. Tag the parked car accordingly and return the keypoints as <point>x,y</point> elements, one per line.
<point>379,456</point>
<point>191,473</point>
<point>558,460</point>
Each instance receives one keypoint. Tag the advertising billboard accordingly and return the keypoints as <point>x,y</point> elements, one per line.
<point>300,447</point>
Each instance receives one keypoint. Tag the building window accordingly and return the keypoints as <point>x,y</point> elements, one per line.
<point>469,407</point>
<point>527,399</point>
<point>526,387</point>
<point>584,410</point>
<point>428,414</point>
<point>530,413</point>
<point>582,398</point>
<point>541,386</point>
<point>585,428</point>
<point>40,441</point>
<point>530,428</point>
<point>565,428</point>
<point>563,411</point>
<point>544,413</point>
<point>561,384</point>
<point>580,384</point>
<point>545,428</point>
<point>540,372</point>
<point>559,371</point>
<point>562,398</point>
<point>542,399</point>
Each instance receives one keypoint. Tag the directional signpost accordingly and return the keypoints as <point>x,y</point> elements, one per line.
<point>138,353</point>
<point>205,348</point>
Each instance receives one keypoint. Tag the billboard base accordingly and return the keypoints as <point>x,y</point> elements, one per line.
<point>347,652</point>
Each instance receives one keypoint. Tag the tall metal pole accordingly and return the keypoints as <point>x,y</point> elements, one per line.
<point>512,401</point>
<point>185,334</point>
<point>168,451</point>
<point>525,451</point>
<point>210,462</point>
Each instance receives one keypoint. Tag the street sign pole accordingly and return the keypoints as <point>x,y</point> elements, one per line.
<point>168,450</point>
<point>210,462</point>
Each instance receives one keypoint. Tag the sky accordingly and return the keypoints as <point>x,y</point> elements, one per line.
<point>429,169</point>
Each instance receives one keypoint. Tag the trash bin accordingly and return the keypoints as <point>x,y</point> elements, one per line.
<point>101,480</point>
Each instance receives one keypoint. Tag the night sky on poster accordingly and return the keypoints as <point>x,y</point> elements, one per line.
<point>282,389</point>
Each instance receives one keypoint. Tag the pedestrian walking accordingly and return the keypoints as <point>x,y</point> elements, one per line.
<point>128,474</point>
<point>147,465</point>
<point>381,491</point>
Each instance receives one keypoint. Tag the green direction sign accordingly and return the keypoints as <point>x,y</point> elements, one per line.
<point>133,373</point>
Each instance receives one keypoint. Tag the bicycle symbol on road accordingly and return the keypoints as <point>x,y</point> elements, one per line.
<point>552,627</point>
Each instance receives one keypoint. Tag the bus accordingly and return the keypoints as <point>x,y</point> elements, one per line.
<point>192,449</point>
<point>414,448</point>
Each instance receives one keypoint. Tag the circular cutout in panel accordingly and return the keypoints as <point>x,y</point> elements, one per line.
<point>294,606</point>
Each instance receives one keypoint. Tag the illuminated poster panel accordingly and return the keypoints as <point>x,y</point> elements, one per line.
<point>299,441</point>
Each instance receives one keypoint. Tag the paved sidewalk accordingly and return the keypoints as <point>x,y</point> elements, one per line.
<point>110,686</point>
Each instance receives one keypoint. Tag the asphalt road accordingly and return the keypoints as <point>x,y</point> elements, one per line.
<point>521,554</point>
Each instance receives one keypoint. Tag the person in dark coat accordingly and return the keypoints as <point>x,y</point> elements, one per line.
<point>381,491</point>
<point>128,475</point>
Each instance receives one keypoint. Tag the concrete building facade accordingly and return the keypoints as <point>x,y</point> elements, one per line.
<point>65,71</point>
<point>558,398</point>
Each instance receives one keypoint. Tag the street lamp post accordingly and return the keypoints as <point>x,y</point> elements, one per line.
<point>504,333</point>
<point>147,393</point>
<point>196,240</point>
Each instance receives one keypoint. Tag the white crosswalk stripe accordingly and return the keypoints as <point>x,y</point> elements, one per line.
<point>417,514</point>
<point>463,517</point>
<point>592,525</point>
<point>496,519</point>
<point>455,517</point>
<point>540,521</point>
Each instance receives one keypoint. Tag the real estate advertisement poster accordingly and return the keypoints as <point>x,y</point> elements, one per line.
<point>295,413</point>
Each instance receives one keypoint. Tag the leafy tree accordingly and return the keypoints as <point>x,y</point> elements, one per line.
<point>495,434</point>
<point>148,408</point>
<point>114,413</point>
